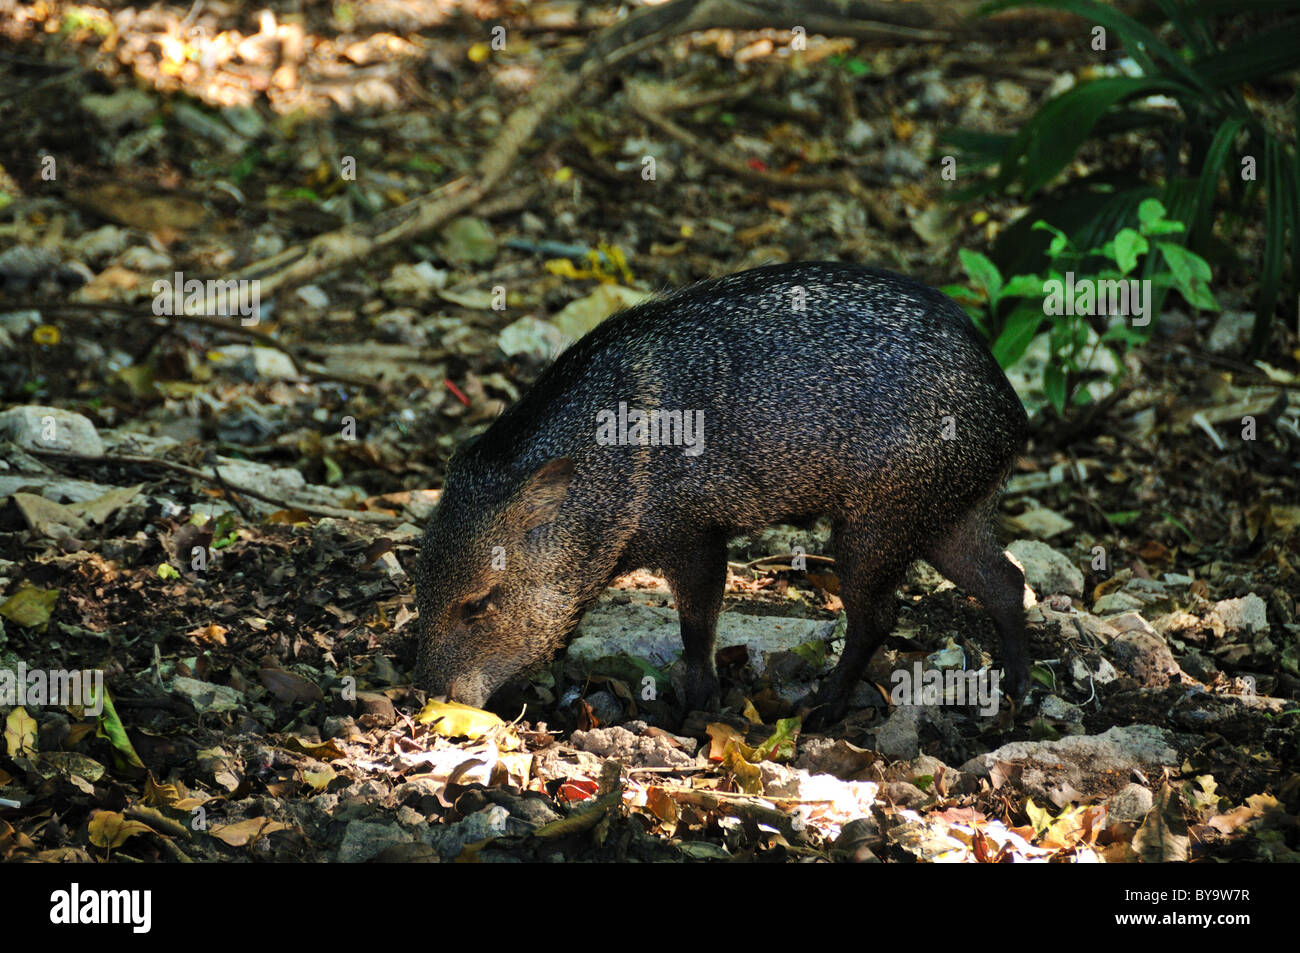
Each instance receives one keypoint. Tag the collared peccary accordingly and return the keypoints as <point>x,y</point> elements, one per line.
<point>772,395</point>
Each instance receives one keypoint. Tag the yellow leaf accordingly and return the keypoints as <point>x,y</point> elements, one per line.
<point>160,795</point>
<point>20,733</point>
<point>245,832</point>
<point>30,607</point>
<point>747,775</point>
<point>320,750</point>
<point>111,829</point>
<point>454,720</point>
<point>565,269</point>
<point>319,780</point>
<point>720,735</point>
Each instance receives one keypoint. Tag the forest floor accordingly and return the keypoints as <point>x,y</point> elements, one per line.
<point>261,698</point>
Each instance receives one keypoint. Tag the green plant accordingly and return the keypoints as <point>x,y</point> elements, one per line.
<point>1011,312</point>
<point>1204,142</point>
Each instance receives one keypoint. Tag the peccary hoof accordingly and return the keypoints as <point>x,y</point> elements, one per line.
<point>701,695</point>
<point>1015,685</point>
<point>697,687</point>
<point>823,711</point>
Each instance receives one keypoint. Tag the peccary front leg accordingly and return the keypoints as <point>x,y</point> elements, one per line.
<point>697,575</point>
<point>870,609</point>
<point>869,565</point>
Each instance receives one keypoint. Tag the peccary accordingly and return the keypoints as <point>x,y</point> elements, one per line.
<point>801,390</point>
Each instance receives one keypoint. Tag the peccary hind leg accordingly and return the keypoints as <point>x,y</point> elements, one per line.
<point>972,559</point>
<point>697,575</point>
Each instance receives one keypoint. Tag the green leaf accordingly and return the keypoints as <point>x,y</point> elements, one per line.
<point>1191,275</point>
<point>1272,53</point>
<point>1021,326</point>
<point>1139,42</point>
<point>1023,286</point>
<point>1211,173</point>
<point>1152,221</point>
<point>1128,246</point>
<point>110,727</point>
<point>1275,209</point>
<point>1126,334</point>
<point>1060,241</point>
<point>963,296</point>
<point>1048,141</point>
<point>981,271</point>
<point>781,745</point>
<point>1054,386</point>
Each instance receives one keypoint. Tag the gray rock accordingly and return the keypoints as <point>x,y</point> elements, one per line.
<point>1130,804</point>
<point>1131,622</point>
<point>22,266</point>
<point>1046,570</point>
<point>362,840</point>
<point>127,106</point>
<point>619,743</point>
<point>1146,657</point>
<point>492,821</point>
<point>340,726</point>
<point>605,706</point>
<point>144,259</point>
<point>654,634</point>
<point>1247,614</point>
<point>1058,709</point>
<point>206,696</point>
<point>902,162</point>
<point>1092,672</point>
<point>313,296</point>
<point>1058,770</point>
<point>531,336</point>
<point>35,427</point>
<point>1231,332</point>
<point>1117,602</point>
<point>100,244</point>
<point>860,134</point>
<point>899,738</point>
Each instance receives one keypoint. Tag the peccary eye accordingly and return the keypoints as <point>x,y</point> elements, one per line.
<point>478,606</point>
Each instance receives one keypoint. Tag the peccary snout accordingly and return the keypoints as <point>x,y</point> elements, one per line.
<point>492,600</point>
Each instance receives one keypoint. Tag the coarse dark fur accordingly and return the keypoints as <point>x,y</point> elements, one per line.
<point>877,404</point>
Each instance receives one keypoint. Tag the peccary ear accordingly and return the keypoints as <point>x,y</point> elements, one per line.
<point>539,499</point>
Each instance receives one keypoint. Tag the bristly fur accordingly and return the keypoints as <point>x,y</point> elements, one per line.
<point>878,404</point>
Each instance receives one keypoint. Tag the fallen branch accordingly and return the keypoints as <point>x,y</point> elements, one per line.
<point>842,182</point>
<point>86,311</point>
<point>642,30</point>
<point>362,516</point>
